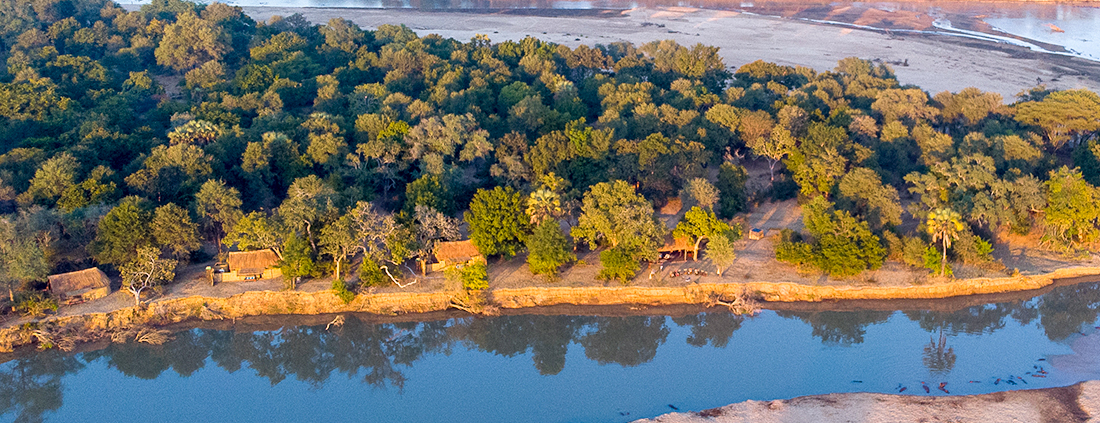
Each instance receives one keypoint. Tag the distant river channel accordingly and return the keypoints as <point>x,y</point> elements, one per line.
<point>555,368</point>
<point>1060,28</point>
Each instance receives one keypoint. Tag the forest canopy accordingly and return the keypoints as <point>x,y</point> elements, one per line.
<point>182,123</point>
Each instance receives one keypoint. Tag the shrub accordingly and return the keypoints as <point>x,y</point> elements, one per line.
<point>371,274</point>
<point>35,304</point>
<point>474,277</point>
<point>340,288</point>
<point>913,252</point>
<point>932,260</point>
<point>618,264</point>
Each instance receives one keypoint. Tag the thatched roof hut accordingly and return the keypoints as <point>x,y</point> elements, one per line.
<point>456,252</point>
<point>89,284</point>
<point>675,244</point>
<point>251,262</point>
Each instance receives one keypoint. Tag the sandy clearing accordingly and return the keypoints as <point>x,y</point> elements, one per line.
<point>935,63</point>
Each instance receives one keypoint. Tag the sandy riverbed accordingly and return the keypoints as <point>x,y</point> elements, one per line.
<point>935,63</point>
<point>1077,403</point>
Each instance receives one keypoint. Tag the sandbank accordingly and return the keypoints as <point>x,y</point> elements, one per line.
<point>1076,403</point>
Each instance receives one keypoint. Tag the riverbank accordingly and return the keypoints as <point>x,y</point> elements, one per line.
<point>1076,403</point>
<point>178,309</point>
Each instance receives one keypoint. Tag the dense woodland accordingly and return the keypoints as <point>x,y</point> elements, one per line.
<point>133,139</point>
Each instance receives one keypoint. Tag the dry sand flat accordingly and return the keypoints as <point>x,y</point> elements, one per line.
<point>935,63</point>
<point>1077,403</point>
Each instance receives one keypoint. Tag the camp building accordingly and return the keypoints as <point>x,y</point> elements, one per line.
<point>455,253</point>
<point>250,266</point>
<point>87,284</point>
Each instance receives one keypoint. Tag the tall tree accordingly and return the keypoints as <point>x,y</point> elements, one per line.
<point>498,223</point>
<point>123,231</point>
<point>1064,116</point>
<point>699,225</point>
<point>1072,212</point>
<point>190,42</point>
<point>174,231</point>
<point>146,270</point>
<point>613,213</point>
<point>340,240</point>
<point>945,226</point>
<point>257,231</point>
<point>699,191</point>
<point>218,208</point>
<point>720,251</point>
<point>548,250</point>
<point>309,203</point>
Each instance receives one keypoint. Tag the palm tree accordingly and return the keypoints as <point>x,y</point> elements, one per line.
<point>944,225</point>
<point>543,204</point>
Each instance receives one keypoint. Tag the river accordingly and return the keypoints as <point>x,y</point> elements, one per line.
<point>539,368</point>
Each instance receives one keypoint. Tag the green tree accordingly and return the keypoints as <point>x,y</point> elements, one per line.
<point>542,205</point>
<point>548,250</point>
<point>21,260</point>
<point>699,191</point>
<point>52,179</point>
<point>699,225</point>
<point>174,231</point>
<point>731,187</point>
<point>257,231</point>
<point>720,250</point>
<point>619,263</point>
<point>296,261</point>
<point>124,230</point>
<point>772,147</point>
<point>498,223</point>
<point>171,172</point>
<point>613,213</point>
<point>190,42</point>
<point>98,188</point>
<point>1072,115</point>
<point>146,270</point>
<point>218,208</point>
<point>944,226</point>
<point>862,192</point>
<point>309,203</point>
<point>340,240</point>
<point>197,132</point>
<point>1072,212</point>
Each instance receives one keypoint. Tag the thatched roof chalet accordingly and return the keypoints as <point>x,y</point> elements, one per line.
<point>251,262</point>
<point>456,251</point>
<point>75,284</point>
<point>674,244</point>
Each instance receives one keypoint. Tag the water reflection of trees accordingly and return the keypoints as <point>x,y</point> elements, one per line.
<point>839,327</point>
<point>713,328</point>
<point>938,357</point>
<point>1065,310</point>
<point>377,353</point>
<point>29,387</point>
